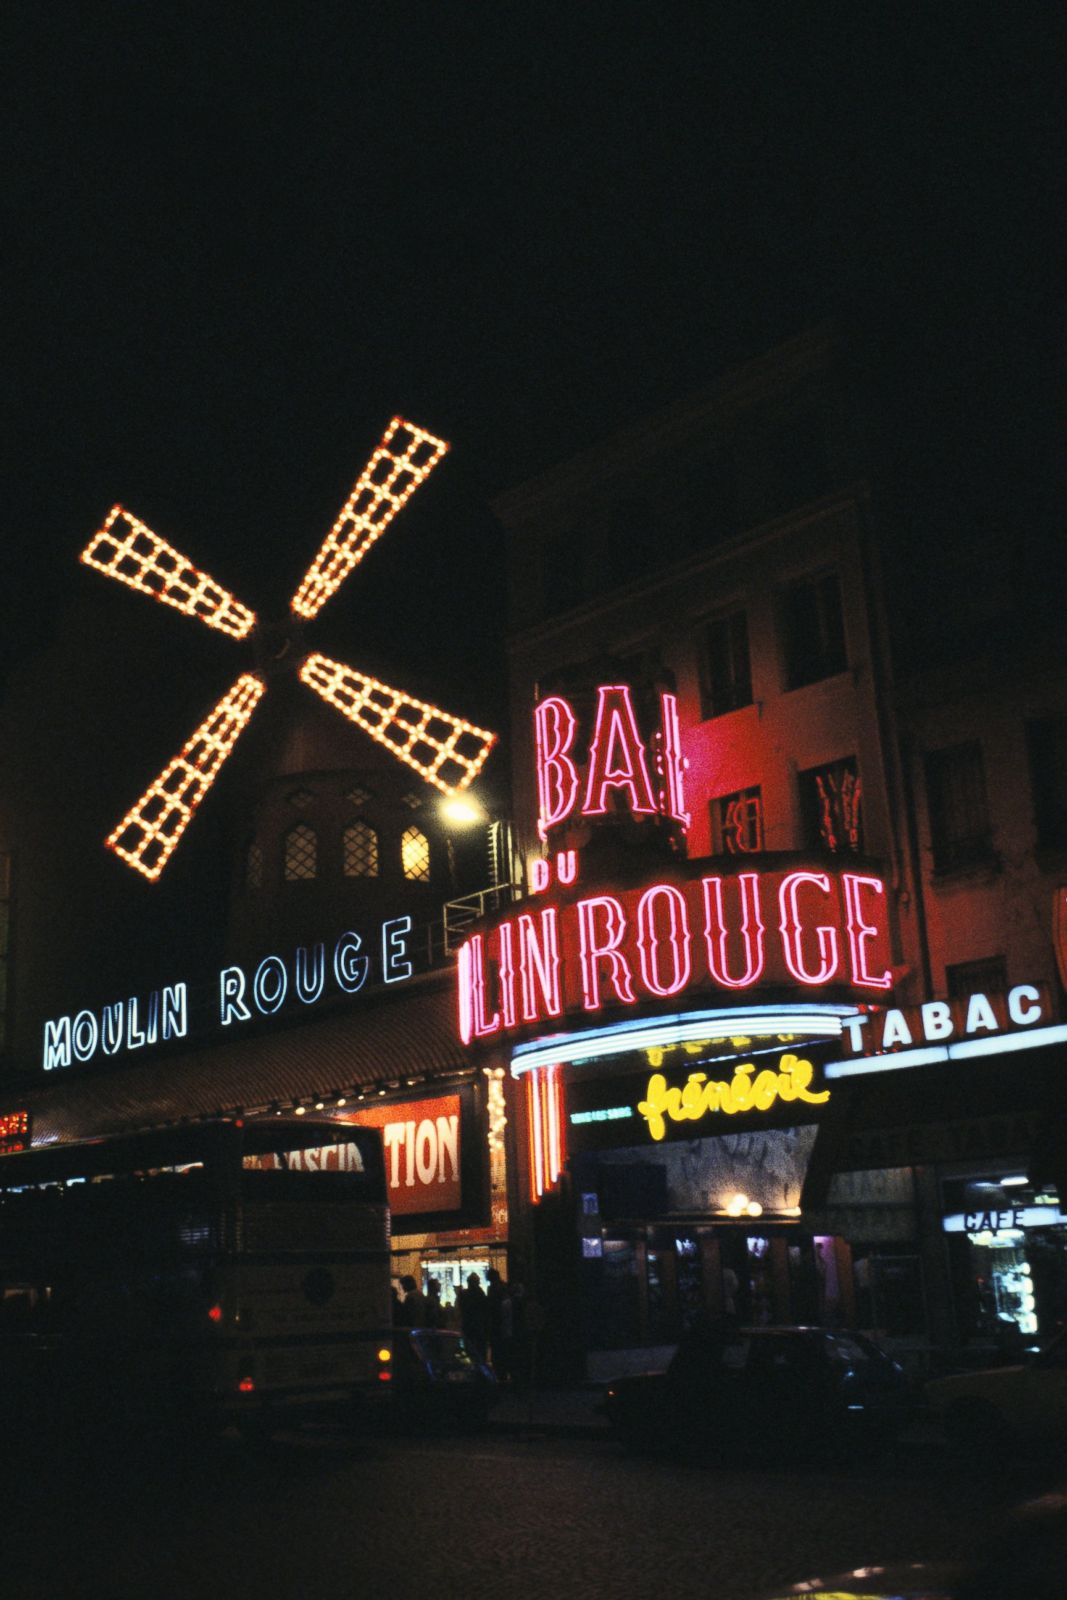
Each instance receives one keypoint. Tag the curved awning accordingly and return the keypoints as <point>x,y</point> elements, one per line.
<point>411,1036</point>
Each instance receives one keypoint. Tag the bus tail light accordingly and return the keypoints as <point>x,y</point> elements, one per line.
<point>214,1313</point>
<point>246,1385</point>
<point>385,1355</point>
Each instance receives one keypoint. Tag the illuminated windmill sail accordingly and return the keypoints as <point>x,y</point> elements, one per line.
<point>445,750</point>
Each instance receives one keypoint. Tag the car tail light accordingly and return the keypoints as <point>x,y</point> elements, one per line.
<point>246,1385</point>
<point>214,1313</point>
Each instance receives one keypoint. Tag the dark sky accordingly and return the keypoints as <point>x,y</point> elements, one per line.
<point>240,238</point>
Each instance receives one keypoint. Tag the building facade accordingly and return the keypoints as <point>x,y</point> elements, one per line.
<point>726,556</point>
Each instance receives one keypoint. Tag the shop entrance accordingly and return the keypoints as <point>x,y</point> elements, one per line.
<point>1007,1246</point>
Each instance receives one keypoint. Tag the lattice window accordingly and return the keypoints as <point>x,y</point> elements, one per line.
<point>300,798</point>
<point>254,867</point>
<point>301,853</point>
<point>360,851</point>
<point>359,796</point>
<point>412,800</point>
<point>415,855</point>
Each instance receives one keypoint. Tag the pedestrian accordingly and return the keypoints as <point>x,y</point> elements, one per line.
<point>414,1303</point>
<point>436,1310</point>
<point>474,1315</point>
<point>495,1296</point>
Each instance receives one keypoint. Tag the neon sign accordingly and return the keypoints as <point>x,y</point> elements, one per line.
<point>747,1090</point>
<point>618,766</point>
<point>242,995</point>
<point>722,931</point>
<point>977,1015</point>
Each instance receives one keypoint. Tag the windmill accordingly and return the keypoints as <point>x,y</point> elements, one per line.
<point>445,750</point>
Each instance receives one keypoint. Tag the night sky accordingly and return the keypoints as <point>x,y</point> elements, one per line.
<point>241,238</point>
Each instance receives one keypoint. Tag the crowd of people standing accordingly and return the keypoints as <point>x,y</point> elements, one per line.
<point>495,1321</point>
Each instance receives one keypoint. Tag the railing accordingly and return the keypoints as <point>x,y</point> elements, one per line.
<point>458,915</point>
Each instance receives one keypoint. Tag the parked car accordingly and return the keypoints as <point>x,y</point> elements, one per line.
<point>1001,1408</point>
<point>438,1378</point>
<point>762,1391</point>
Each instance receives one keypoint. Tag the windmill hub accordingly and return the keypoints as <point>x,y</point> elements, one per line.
<point>277,645</point>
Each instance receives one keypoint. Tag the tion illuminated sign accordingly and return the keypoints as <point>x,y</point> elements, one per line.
<point>422,1152</point>
<point>727,932</point>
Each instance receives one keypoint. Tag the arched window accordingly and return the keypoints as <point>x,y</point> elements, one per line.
<point>301,853</point>
<point>360,851</point>
<point>415,855</point>
<point>254,867</point>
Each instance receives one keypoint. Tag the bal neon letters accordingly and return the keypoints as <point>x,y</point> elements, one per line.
<point>617,765</point>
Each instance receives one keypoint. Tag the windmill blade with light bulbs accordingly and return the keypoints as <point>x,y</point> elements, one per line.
<point>445,750</point>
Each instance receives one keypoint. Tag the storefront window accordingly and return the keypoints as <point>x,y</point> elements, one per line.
<point>1007,1243</point>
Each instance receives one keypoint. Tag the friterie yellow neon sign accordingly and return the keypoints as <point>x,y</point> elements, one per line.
<point>747,1090</point>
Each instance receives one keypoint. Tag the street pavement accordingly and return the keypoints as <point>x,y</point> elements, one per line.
<point>524,1509</point>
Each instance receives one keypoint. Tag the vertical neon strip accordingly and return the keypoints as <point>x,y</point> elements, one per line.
<point>555,1124</point>
<point>674,764</point>
<point>533,1109</point>
<point>606,770</point>
<point>463,975</point>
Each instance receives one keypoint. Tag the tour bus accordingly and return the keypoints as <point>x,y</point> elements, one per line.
<point>227,1272</point>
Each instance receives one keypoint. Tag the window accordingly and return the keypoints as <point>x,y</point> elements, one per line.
<point>415,855</point>
<point>959,815</point>
<point>412,800</point>
<point>726,682</point>
<point>737,823</point>
<point>360,851</point>
<point>359,795</point>
<point>254,867</point>
<point>301,853</point>
<point>1047,741</point>
<point>831,806</point>
<point>989,976</point>
<point>813,630</point>
<point>300,798</point>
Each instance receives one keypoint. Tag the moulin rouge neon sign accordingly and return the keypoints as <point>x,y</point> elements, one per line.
<point>731,931</point>
<point>721,931</point>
